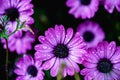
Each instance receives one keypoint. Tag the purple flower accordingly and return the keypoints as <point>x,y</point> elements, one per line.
<point>83,8</point>
<point>111,4</point>
<point>102,62</point>
<point>20,42</point>
<point>28,69</point>
<point>91,32</point>
<point>21,9</point>
<point>60,47</point>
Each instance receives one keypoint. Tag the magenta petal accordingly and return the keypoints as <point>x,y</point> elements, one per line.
<point>117,66</point>
<point>109,7</point>
<point>69,68</point>
<point>54,70</point>
<point>116,57</point>
<point>69,35</point>
<point>62,31</point>
<point>23,3</point>
<point>50,37</point>
<point>85,71</point>
<point>111,49</point>
<point>76,67</point>
<point>27,12</point>
<point>89,65</point>
<point>43,40</point>
<point>20,63</point>
<point>20,78</point>
<point>43,56</point>
<point>38,63</point>
<point>28,59</point>
<point>102,49</point>
<point>57,33</point>
<point>19,72</point>
<point>48,64</point>
<point>118,6</point>
<point>26,7</point>
<point>114,76</point>
<point>91,75</point>
<point>18,46</point>
<point>75,59</point>
<point>64,72</point>
<point>99,76</point>
<point>77,52</point>
<point>75,39</point>
<point>43,48</point>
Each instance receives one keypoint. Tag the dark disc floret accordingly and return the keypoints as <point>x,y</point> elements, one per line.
<point>12,13</point>
<point>88,36</point>
<point>104,65</point>
<point>32,70</point>
<point>85,2</point>
<point>61,51</point>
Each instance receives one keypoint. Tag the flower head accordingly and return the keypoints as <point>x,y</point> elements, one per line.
<point>102,62</point>
<point>91,32</point>
<point>111,4</point>
<point>60,47</point>
<point>17,9</point>
<point>83,8</point>
<point>28,69</point>
<point>20,42</point>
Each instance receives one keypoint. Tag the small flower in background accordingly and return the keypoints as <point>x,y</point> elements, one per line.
<point>20,42</point>
<point>102,62</point>
<point>92,33</point>
<point>17,9</point>
<point>60,47</point>
<point>83,8</point>
<point>28,69</point>
<point>111,4</point>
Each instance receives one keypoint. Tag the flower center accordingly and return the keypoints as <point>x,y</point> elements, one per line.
<point>32,70</point>
<point>61,51</point>
<point>88,36</point>
<point>85,2</point>
<point>104,65</point>
<point>12,13</point>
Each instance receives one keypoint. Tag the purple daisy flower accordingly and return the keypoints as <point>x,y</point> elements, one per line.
<point>60,47</point>
<point>111,4</point>
<point>91,32</point>
<point>21,9</point>
<point>102,62</point>
<point>20,42</point>
<point>28,69</point>
<point>83,8</point>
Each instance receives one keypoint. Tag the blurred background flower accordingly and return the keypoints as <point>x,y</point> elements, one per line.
<point>83,8</point>
<point>91,32</point>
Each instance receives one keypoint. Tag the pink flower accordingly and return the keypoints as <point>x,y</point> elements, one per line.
<point>102,62</point>
<point>28,69</point>
<point>60,47</point>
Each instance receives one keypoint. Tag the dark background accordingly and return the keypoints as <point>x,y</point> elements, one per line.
<point>47,13</point>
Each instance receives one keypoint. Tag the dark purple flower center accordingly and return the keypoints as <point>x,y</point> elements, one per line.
<point>12,13</point>
<point>32,70</point>
<point>104,65</point>
<point>61,51</point>
<point>88,36</point>
<point>85,2</point>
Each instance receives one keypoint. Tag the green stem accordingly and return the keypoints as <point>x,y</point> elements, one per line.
<point>60,76</point>
<point>6,64</point>
<point>76,76</point>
